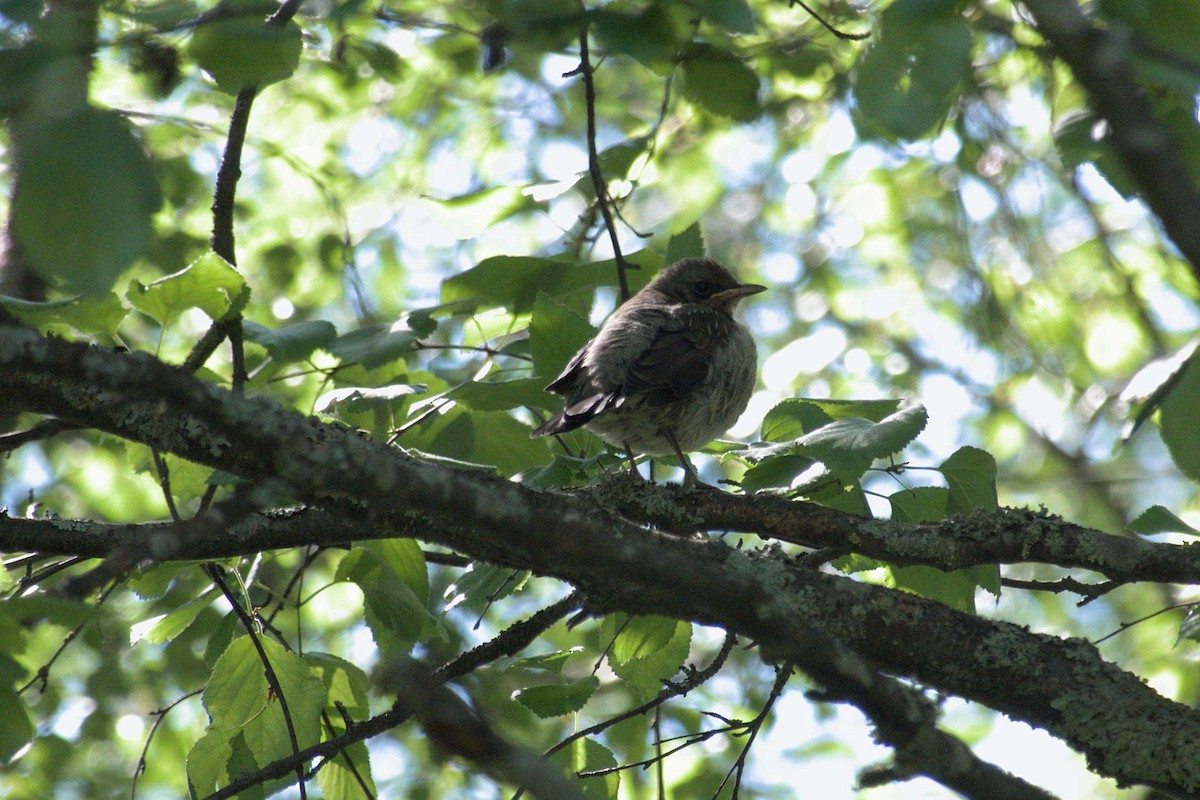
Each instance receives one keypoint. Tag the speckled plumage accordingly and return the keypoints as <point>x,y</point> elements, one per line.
<point>669,371</point>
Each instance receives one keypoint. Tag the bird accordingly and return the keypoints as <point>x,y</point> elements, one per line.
<point>669,370</point>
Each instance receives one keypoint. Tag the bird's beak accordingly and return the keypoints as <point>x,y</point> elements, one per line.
<point>729,297</point>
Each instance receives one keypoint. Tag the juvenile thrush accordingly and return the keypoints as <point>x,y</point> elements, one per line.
<point>670,369</point>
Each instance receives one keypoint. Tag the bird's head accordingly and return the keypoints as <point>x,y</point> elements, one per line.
<point>701,280</point>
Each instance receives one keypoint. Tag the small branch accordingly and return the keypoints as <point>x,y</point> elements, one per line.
<point>214,572</point>
<point>854,37</point>
<point>598,184</point>
<point>510,642</point>
<point>43,430</point>
<point>452,726</point>
<point>694,679</point>
<point>782,674</point>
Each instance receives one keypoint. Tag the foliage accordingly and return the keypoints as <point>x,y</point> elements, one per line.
<point>405,217</point>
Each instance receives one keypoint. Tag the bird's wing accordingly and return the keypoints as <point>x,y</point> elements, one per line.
<point>675,364</point>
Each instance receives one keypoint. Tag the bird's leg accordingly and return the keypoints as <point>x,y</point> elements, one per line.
<point>633,470</point>
<point>690,478</point>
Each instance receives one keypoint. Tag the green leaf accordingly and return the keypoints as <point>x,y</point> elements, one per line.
<point>555,700</point>
<point>490,438</point>
<point>922,504</point>
<point>773,472</point>
<point>1153,382</point>
<point>652,36</point>
<point>394,612</point>
<point>971,475</point>
<point>504,395</point>
<point>374,345</point>
<point>237,690</point>
<point>720,82</point>
<point>267,734</point>
<point>403,557</point>
<point>851,445</point>
<point>546,662</point>
<point>17,730</point>
<point>207,761</point>
<point>1158,519</point>
<point>88,315</point>
<point>587,755</point>
<point>957,588</point>
<point>358,399</point>
<point>166,627</point>
<point>480,584</point>
<point>555,334</point>
<point>734,16</point>
<point>796,416</point>
<point>345,684</point>
<point>341,781</point>
<point>646,650</point>
<point>244,51</point>
<point>1179,420</point>
<point>1190,627</point>
<point>688,243</point>
<point>616,161</point>
<point>84,197</point>
<point>907,82</point>
<point>209,283</point>
<point>292,342</point>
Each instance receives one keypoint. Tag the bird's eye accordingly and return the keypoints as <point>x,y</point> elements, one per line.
<point>702,288</point>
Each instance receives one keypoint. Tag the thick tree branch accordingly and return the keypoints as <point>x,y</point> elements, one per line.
<point>1124,727</point>
<point>1100,60</point>
<point>1008,536</point>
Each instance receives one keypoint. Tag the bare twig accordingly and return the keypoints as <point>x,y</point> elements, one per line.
<point>598,183</point>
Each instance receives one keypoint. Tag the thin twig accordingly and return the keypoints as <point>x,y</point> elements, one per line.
<point>598,184</point>
<point>159,716</point>
<point>214,572</point>
<point>854,37</point>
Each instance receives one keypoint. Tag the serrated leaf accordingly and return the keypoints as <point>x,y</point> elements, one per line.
<point>907,82</point>
<point>243,51</point>
<point>165,627</point>
<point>483,583</point>
<point>852,444</point>
<point>291,342</point>
<point>546,662</point>
<point>341,781</point>
<point>957,588</point>
<point>504,395</point>
<point>492,438</point>
<point>345,684</point>
<point>1158,519</point>
<point>791,419</point>
<point>646,650</point>
<point>374,345</point>
<point>209,283</point>
<point>555,700</point>
<point>616,161</point>
<point>720,83</point>
<point>921,504</point>
<point>777,471</point>
<point>971,475</point>
<point>89,315</point>
<point>357,399</point>
<point>586,755</point>
<point>555,334</point>
<point>688,243</point>
<point>393,610</point>
<point>83,201</point>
